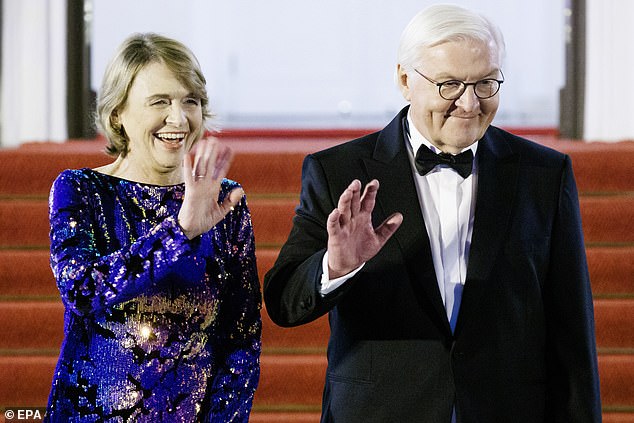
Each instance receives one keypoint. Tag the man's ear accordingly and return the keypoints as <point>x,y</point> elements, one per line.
<point>403,82</point>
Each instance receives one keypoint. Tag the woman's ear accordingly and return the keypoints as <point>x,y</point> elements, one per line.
<point>115,121</point>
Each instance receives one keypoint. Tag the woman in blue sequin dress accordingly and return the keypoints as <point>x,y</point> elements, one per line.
<point>154,257</point>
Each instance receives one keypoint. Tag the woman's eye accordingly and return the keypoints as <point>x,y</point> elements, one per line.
<point>192,101</point>
<point>160,102</point>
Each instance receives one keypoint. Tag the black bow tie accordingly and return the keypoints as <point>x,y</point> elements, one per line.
<point>426,160</point>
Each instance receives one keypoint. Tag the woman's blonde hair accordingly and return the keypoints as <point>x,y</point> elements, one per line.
<point>135,52</point>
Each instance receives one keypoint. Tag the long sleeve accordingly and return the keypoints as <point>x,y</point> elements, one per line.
<point>292,287</point>
<point>573,382</point>
<point>237,334</point>
<point>89,277</point>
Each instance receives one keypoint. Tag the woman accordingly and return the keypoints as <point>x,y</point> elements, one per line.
<point>154,257</point>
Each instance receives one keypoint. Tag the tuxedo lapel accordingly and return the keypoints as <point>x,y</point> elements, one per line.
<point>498,172</point>
<point>397,193</point>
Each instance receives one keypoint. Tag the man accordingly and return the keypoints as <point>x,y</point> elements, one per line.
<point>478,308</point>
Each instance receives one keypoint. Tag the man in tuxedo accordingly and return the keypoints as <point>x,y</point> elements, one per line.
<point>459,291</point>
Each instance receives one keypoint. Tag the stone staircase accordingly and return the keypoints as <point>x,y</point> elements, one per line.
<point>293,360</point>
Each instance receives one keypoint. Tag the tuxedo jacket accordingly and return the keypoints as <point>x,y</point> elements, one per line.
<point>523,349</point>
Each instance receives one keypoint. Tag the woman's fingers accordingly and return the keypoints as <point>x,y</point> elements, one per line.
<point>222,158</point>
<point>211,160</point>
<point>231,200</point>
<point>203,152</point>
<point>215,159</point>
<point>187,168</point>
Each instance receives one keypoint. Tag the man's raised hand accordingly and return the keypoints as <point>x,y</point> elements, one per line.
<point>352,240</point>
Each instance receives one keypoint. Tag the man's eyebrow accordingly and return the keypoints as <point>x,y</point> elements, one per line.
<point>446,76</point>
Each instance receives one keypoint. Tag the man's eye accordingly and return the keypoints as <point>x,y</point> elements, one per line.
<point>159,102</point>
<point>452,84</point>
<point>193,101</point>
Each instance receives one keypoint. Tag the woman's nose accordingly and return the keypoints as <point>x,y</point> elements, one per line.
<point>176,115</point>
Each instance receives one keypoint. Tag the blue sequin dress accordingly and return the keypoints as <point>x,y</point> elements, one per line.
<point>158,328</point>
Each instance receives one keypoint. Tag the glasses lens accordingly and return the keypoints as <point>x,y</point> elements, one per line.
<point>487,88</point>
<point>451,90</point>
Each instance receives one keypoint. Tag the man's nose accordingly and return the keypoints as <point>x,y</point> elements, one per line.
<point>468,101</point>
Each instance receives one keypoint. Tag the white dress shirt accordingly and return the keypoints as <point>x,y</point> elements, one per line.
<point>447,202</point>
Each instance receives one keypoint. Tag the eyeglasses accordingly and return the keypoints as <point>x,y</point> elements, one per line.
<point>453,89</point>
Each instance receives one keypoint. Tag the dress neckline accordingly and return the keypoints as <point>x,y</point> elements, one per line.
<point>131,182</point>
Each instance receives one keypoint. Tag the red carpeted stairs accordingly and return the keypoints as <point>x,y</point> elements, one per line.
<point>293,360</point>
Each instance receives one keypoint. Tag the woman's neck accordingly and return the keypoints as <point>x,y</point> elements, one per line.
<point>124,169</point>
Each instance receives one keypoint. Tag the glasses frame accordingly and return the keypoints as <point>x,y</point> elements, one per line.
<point>465,85</point>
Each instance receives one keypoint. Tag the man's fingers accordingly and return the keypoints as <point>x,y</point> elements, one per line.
<point>369,196</point>
<point>332,224</point>
<point>355,201</point>
<point>386,229</point>
<point>345,201</point>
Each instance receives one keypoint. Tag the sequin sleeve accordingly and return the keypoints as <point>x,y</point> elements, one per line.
<point>237,336</point>
<point>91,274</point>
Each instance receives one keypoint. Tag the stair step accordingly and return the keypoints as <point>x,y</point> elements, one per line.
<point>28,273</point>
<point>610,315</point>
<point>30,380</point>
<point>608,219</point>
<point>272,219</point>
<point>29,325</point>
<point>284,379</point>
<point>260,417</point>
<point>284,417</point>
<point>618,417</point>
<point>310,337</point>
<point>289,380</point>
<point>280,160</point>
<point>616,373</point>
<point>589,162</point>
<point>24,223</point>
<point>266,259</point>
<point>611,270</point>
<point>38,325</point>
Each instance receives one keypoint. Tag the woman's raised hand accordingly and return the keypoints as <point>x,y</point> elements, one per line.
<point>204,168</point>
